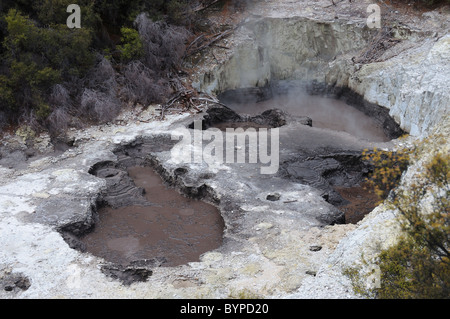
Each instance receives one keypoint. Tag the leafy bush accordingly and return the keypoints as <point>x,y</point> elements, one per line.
<point>418,265</point>
<point>36,59</point>
<point>51,75</point>
<point>387,169</point>
<point>132,47</point>
<point>53,12</point>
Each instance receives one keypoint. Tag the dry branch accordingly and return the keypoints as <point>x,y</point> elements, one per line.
<point>215,38</point>
<point>333,3</point>
<point>183,97</point>
<point>376,48</point>
<point>212,101</point>
<point>205,6</point>
<point>189,100</point>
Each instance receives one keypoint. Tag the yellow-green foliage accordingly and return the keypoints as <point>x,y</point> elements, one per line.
<point>418,266</point>
<point>360,281</point>
<point>387,169</point>
<point>410,271</point>
<point>244,294</point>
<point>132,47</point>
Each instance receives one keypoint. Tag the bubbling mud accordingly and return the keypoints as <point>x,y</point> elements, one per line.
<point>169,227</point>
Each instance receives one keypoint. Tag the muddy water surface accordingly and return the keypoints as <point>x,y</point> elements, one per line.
<point>325,113</point>
<point>172,227</point>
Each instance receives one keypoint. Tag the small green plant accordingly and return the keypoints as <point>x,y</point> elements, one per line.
<point>244,294</point>
<point>360,280</point>
<point>132,47</point>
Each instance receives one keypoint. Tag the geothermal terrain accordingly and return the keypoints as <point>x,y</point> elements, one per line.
<point>119,211</point>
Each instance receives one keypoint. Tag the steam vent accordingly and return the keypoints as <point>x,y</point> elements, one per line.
<point>222,149</point>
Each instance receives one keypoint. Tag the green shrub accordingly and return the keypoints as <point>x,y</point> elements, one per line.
<point>418,265</point>
<point>132,47</point>
<point>38,52</point>
<point>37,58</point>
<point>387,169</point>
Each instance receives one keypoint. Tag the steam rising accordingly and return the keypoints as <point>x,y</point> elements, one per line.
<point>327,113</point>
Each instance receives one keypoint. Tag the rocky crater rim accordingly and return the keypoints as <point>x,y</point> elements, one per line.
<point>239,218</point>
<point>321,171</point>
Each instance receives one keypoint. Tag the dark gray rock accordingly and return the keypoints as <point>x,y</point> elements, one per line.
<point>14,282</point>
<point>311,273</point>
<point>134,272</point>
<point>72,215</point>
<point>272,118</point>
<point>273,197</point>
